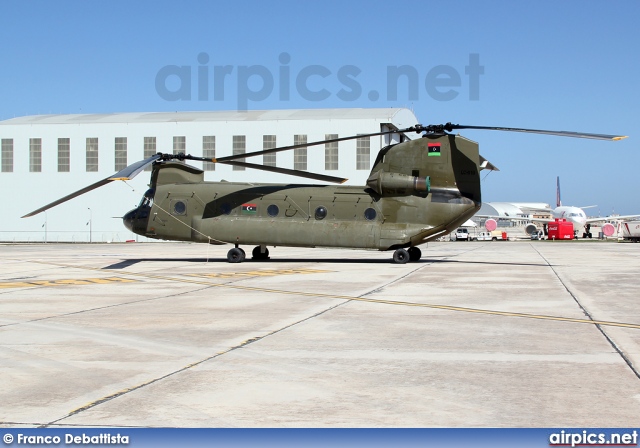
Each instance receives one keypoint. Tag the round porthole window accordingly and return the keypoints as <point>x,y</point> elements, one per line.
<point>321,212</point>
<point>179,208</point>
<point>370,214</point>
<point>225,209</point>
<point>273,210</point>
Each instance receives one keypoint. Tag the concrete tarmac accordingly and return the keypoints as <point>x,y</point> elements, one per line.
<point>475,334</point>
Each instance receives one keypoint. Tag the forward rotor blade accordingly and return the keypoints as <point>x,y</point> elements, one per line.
<point>70,196</point>
<point>541,131</point>
<point>124,174</point>
<point>134,169</point>
<point>297,173</point>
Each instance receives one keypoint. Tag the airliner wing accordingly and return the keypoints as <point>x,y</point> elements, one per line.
<point>613,218</point>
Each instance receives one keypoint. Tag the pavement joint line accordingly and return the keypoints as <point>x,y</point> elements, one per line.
<point>194,364</point>
<point>369,300</point>
<point>99,308</point>
<point>189,366</point>
<point>597,324</point>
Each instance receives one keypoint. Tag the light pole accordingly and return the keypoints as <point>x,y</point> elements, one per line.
<point>90,224</point>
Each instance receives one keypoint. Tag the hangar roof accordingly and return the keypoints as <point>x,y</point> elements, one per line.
<point>196,116</point>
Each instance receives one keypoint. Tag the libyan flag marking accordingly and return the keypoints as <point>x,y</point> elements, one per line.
<point>249,209</point>
<point>434,150</point>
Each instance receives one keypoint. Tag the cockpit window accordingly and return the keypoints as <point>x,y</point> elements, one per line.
<point>147,199</point>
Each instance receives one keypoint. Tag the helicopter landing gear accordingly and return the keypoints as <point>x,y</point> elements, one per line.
<point>414,253</point>
<point>400,256</point>
<point>260,253</point>
<point>236,255</point>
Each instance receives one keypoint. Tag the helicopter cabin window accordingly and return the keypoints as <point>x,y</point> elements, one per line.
<point>273,210</point>
<point>149,150</point>
<point>239,147</point>
<point>35,155</point>
<point>370,214</point>
<point>321,212</point>
<point>64,155</point>
<point>121,153</point>
<point>179,207</point>
<point>179,145</point>
<point>363,153</point>
<point>331,153</point>
<point>269,142</point>
<point>300,154</point>
<point>7,155</point>
<point>209,151</point>
<point>92,155</point>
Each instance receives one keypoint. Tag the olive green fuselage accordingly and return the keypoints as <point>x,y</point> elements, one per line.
<point>417,191</point>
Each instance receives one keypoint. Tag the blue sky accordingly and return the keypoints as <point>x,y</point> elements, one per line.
<point>549,65</point>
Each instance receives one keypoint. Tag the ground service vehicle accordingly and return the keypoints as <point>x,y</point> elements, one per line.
<point>460,234</point>
<point>629,231</point>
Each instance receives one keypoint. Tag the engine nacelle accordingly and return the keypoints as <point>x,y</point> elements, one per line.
<point>530,229</point>
<point>385,183</point>
<point>608,229</point>
<point>491,224</point>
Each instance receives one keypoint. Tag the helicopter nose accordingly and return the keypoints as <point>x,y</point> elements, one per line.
<point>136,220</point>
<point>128,219</point>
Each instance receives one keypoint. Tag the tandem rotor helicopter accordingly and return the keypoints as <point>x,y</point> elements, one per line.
<point>417,191</point>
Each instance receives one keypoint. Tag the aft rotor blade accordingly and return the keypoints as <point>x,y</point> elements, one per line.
<point>297,173</point>
<point>304,145</point>
<point>134,169</point>
<point>542,131</point>
<point>70,196</point>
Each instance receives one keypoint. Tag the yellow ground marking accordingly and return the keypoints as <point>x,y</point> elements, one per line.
<point>261,273</point>
<point>66,282</point>
<point>359,299</point>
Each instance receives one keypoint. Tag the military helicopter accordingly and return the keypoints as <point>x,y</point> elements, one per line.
<point>417,190</point>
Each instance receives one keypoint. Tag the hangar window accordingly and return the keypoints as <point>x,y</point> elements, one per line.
<point>331,153</point>
<point>179,145</point>
<point>363,153</point>
<point>273,210</point>
<point>64,155</point>
<point>121,153</point>
<point>269,142</point>
<point>149,150</point>
<point>92,155</point>
<point>239,147</point>
<point>300,154</point>
<point>209,151</point>
<point>7,155</point>
<point>35,155</point>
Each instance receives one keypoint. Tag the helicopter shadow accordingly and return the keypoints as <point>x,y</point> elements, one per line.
<point>133,261</point>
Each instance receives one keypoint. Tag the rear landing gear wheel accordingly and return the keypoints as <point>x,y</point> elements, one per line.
<point>414,254</point>
<point>235,255</point>
<point>257,253</point>
<point>400,256</point>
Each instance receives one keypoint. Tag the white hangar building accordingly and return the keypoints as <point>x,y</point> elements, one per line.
<point>46,157</point>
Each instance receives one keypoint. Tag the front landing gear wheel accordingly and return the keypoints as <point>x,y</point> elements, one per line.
<point>235,255</point>
<point>414,253</point>
<point>257,253</point>
<point>400,256</point>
